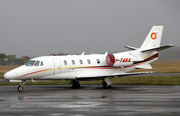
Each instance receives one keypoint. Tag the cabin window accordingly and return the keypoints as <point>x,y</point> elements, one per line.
<point>37,63</point>
<point>73,62</point>
<point>42,64</point>
<point>98,61</point>
<point>65,62</point>
<point>89,62</point>
<point>30,63</point>
<point>80,61</point>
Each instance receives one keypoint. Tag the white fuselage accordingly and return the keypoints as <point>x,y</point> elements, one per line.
<point>65,67</point>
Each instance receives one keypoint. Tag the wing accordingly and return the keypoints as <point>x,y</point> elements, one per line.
<point>101,77</point>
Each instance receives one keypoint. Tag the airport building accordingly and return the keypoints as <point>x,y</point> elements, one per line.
<point>12,60</point>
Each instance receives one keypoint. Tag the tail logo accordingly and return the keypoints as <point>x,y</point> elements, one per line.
<point>153,36</point>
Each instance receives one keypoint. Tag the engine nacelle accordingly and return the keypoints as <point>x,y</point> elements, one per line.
<point>121,60</point>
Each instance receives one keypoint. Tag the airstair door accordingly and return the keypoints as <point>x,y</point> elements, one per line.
<point>57,67</point>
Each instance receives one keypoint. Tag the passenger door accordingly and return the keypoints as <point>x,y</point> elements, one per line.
<point>57,67</point>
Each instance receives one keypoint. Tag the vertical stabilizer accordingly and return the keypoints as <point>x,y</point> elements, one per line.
<point>153,39</point>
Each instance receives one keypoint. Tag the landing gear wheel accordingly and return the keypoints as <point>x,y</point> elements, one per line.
<point>105,85</point>
<point>20,88</point>
<point>75,84</point>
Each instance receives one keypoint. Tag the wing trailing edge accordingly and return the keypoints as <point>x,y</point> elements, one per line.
<point>101,77</point>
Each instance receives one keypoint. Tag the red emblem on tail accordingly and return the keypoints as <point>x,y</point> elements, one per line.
<point>153,36</point>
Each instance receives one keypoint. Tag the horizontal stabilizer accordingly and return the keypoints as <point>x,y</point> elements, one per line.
<point>101,77</point>
<point>159,48</point>
<point>131,48</point>
<point>144,66</point>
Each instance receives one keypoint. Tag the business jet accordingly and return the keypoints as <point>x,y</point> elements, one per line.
<point>91,67</point>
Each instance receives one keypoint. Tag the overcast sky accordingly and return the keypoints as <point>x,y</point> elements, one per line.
<point>41,27</point>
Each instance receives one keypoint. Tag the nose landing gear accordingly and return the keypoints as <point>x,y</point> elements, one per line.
<point>20,88</point>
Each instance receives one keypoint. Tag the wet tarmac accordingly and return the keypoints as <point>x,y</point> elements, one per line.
<point>120,100</point>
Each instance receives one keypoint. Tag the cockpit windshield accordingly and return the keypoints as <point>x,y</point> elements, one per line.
<point>30,63</point>
<point>34,63</point>
<point>37,63</point>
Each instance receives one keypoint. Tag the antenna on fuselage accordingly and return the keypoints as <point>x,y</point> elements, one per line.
<point>83,53</point>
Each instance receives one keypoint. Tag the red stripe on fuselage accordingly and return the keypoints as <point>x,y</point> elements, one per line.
<point>34,72</point>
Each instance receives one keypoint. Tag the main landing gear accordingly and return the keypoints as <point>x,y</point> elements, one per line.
<point>75,84</point>
<point>20,88</point>
<point>106,83</point>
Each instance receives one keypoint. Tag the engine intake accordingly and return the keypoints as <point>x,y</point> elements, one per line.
<point>121,60</point>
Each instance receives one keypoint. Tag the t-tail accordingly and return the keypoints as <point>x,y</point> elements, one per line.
<point>150,48</point>
<point>153,40</point>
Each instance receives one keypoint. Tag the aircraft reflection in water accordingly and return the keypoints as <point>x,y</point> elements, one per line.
<point>91,67</point>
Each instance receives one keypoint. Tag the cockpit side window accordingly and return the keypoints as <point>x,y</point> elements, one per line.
<point>37,63</point>
<point>30,63</point>
<point>42,64</point>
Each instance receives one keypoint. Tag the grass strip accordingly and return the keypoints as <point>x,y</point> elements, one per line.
<point>1,76</point>
<point>168,66</point>
<point>6,68</point>
<point>147,80</point>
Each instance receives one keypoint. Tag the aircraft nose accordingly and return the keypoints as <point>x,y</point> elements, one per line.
<point>10,75</point>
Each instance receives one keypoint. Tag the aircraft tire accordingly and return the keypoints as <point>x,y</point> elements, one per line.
<point>105,85</point>
<point>75,84</point>
<point>20,88</point>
